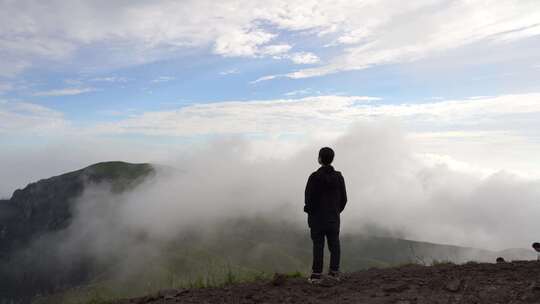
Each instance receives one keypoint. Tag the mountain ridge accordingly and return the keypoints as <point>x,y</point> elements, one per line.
<point>43,208</point>
<point>46,204</point>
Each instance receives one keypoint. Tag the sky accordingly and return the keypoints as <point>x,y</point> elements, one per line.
<point>87,81</point>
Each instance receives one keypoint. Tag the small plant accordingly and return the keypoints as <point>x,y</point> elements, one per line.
<point>296,274</point>
<point>406,264</point>
<point>197,283</point>
<point>261,275</point>
<point>230,276</point>
<point>96,297</point>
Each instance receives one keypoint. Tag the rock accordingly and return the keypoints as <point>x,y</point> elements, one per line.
<point>327,282</point>
<point>149,299</point>
<point>535,286</point>
<point>395,287</point>
<point>279,279</point>
<point>182,291</point>
<point>167,292</point>
<point>453,285</point>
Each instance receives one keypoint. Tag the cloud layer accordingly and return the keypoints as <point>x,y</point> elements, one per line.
<point>364,33</point>
<point>466,130</point>
<point>64,92</point>
<point>331,114</point>
<point>388,187</point>
<point>16,117</point>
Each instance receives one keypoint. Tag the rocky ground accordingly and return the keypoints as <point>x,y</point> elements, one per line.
<point>515,282</point>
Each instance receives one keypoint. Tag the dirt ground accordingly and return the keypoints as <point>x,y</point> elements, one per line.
<point>512,282</point>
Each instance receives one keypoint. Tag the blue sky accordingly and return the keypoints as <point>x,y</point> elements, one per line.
<point>460,77</point>
<point>205,77</point>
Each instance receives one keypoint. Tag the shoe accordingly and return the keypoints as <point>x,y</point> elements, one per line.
<point>334,275</point>
<point>315,278</point>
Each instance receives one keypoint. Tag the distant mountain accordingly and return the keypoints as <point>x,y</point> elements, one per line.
<point>34,219</point>
<point>46,206</point>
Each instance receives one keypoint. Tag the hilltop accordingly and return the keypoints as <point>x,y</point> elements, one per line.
<point>35,214</point>
<point>516,282</point>
<point>47,205</point>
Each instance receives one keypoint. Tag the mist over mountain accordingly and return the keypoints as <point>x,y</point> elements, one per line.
<point>33,225</point>
<point>136,228</point>
<point>47,205</point>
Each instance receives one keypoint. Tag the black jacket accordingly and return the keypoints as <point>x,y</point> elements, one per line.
<point>325,196</point>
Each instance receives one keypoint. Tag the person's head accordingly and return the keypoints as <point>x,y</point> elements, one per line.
<point>326,156</point>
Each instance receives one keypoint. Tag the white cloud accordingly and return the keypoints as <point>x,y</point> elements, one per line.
<point>73,82</point>
<point>111,79</point>
<point>5,87</point>
<point>304,58</point>
<point>484,108</point>
<point>28,117</point>
<point>265,78</point>
<point>275,49</point>
<point>163,79</point>
<point>480,97</point>
<point>506,122</point>
<point>12,67</point>
<point>388,186</point>
<point>64,92</point>
<point>418,30</point>
<point>372,32</point>
<point>244,117</point>
<point>242,43</point>
<point>229,72</point>
<point>490,133</point>
<point>528,31</point>
<point>307,91</point>
<point>462,129</point>
<point>354,36</point>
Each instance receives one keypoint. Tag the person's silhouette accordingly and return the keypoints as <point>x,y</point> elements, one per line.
<point>325,199</point>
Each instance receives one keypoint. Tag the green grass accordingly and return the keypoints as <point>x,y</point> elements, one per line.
<point>121,175</point>
<point>296,274</point>
<point>103,294</point>
<point>236,252</point>
<point>441,262</point>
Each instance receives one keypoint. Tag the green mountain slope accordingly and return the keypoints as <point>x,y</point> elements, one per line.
<point>46,207</point>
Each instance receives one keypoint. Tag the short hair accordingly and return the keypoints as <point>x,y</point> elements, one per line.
<point>326,155</point>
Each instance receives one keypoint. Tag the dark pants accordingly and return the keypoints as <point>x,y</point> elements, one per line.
<point>331,232</point>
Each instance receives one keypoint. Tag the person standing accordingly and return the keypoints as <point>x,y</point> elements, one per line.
<point>325,199</point>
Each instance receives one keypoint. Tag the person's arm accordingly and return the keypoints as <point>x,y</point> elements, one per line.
<point>308,195</point>
<point>343,201</point>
